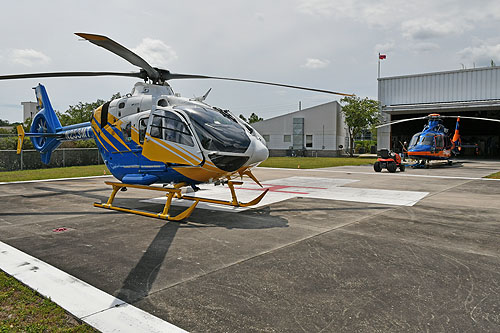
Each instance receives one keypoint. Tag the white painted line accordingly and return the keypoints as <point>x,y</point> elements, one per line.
<point>95,307</point>
<point>292,187</point>
<point>51,180</point>
<point>398,174</point>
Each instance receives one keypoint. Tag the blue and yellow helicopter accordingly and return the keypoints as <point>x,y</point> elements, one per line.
<point>153,136</point>
<point>435,141</point>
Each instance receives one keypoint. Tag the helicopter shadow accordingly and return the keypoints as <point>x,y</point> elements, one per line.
<point>139,281</point>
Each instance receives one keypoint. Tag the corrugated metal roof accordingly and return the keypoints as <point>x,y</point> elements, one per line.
<point>480,84</point>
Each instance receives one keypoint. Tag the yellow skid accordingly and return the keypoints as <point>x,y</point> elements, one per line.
<point>163,215</point>
<point>171,193</point>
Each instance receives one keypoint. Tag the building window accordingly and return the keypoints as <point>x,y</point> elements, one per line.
<point>266,137</point>
<point>365,135</point>
<point>309,141</point>
<point>287,138</point>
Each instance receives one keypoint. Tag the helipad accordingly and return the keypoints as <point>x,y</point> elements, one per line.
<point>324,255</point>
<point>304,187</point>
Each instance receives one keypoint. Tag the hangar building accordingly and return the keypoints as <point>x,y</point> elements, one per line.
<point>315,131</point>
<point>468,92</point>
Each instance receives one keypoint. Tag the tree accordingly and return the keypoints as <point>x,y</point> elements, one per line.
<point>82,112</point>
<point>360,114</point>
<point>252,119</point>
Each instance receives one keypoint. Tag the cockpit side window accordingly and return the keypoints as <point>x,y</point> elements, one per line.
<point>168,126</point>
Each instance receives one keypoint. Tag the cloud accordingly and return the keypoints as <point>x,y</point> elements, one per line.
<point>28,57</point>
<point>424,47</point>
<point>316,7</point>
<point>383,13</point>
<point>425,28</point>
<point>155,52</point>
<point>385,47</point>
<point>482,54</point>
<point>313,63</point>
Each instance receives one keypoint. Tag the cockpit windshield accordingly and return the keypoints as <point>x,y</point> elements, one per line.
<point>218,130</point>
<point>414,140</point>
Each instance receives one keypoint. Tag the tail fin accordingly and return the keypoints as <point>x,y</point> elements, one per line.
<point>45,124</point>
<point>20,138</point>
<point>456,141</point>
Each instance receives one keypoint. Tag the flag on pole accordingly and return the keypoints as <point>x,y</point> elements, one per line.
<point>382,56</point>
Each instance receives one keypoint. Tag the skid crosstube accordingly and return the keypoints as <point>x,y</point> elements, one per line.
<point>171,193</point>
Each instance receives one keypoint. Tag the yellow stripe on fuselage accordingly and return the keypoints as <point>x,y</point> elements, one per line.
<point>200,174</point>
<point>97,132</point>
<point>158,150</point>
<point>112,131</point>
<point>103,135</point>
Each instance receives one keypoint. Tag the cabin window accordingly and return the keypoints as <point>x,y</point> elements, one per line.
<point>439,141</point>
<point>143,124</point>
<point>287,138</point>
<point>126,129</point>
<point>168,126</point>
<point>121,105</point>
<point>428,139</point>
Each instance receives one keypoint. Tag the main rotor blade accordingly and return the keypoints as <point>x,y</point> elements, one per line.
<point>121,51</point>
<point>400,121</point>
<point>475,118</point>
<point>65,74</point>
<point>172,76</point>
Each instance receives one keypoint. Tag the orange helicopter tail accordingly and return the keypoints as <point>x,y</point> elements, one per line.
<point>456,141</point>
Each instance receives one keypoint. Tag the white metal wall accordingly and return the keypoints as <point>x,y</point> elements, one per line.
<point>324,122</point>
<point>456,86</point>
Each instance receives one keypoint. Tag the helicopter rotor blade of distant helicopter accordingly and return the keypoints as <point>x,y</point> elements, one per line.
<point>474,118</point>
<point>400,121</point>
<point>68,74</point>
<point>122,52</point>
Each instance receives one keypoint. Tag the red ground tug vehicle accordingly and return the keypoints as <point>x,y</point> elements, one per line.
<point>388,160</point>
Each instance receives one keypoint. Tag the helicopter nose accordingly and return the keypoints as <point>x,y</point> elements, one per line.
<point>258,152</point>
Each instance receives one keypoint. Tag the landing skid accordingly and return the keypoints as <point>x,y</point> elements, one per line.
<point>426,164</point>
<point>171,193</point>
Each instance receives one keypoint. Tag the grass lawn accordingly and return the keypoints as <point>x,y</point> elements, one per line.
<point>24,310</point>
<point>68,172</point>
<point>495,175</point>
<point>98,170</point>
<point>314,162</point>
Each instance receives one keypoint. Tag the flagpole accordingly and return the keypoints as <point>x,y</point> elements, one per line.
<point>378,65</point>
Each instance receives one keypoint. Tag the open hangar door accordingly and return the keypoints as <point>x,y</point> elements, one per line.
<point>480,138</point>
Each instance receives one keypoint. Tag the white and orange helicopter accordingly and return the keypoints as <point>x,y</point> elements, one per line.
<point>153,136</point>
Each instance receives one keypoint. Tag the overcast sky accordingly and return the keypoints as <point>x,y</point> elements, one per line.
<point>324,44</point>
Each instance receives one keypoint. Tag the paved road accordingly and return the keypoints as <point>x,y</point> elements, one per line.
<point>304,264</point>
